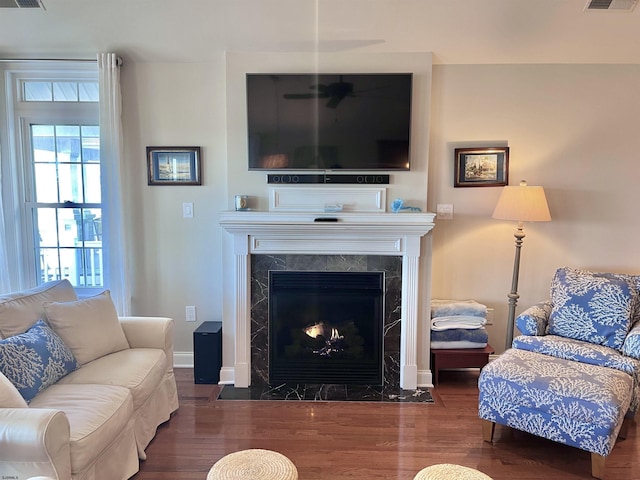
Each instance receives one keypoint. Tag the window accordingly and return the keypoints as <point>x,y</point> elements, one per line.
<point>67,208</point>
<point>56,175</point>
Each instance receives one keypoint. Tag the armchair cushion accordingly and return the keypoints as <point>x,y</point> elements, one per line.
<point>90,327</point>
<point>36,359</point>
<point>584,352</point>
<point>579,351</point>
<point>595,308</point>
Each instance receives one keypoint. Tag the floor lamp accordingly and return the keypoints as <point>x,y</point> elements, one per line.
<point>523,203</point>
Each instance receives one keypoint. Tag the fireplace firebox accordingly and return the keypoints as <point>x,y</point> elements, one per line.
<point>326,327</point>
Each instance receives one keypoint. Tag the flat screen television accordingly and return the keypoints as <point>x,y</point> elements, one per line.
<point>329,121</point>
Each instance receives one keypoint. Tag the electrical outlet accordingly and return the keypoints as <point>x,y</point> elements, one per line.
<point>190,313</point>
<point>490,316</point>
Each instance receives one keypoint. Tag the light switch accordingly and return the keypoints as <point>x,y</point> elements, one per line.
<point>187,210</point>
<point>444,211</point>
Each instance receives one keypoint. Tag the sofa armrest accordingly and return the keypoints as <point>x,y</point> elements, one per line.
<point>33,442</point>
<point>150,332</point>
<point>535,319</point>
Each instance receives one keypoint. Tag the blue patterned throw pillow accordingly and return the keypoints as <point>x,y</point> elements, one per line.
<point>596,308</point>
<point>35,359</point>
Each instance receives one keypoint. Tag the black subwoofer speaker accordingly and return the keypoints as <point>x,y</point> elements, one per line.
<point>207,352</point>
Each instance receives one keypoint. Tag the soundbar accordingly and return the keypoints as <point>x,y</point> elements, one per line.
<point>291,178</point>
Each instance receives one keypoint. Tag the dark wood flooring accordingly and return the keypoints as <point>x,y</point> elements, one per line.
<point>358,441</point>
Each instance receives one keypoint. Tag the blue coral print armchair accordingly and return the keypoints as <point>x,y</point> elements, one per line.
<point>574,375</point>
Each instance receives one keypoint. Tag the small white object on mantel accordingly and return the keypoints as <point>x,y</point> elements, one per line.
<point>315,199</point>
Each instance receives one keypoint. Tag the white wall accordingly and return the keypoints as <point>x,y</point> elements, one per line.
<point>176,261</point>
<point>571,129</point>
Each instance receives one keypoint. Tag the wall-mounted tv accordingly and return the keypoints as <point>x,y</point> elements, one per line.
<point>329,121</point>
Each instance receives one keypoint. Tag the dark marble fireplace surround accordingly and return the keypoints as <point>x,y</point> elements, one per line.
<point>262,264</point>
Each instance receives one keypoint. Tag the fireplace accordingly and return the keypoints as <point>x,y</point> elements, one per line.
<point>326,327</point>
<point>256,236</point>
<point>388,268</point>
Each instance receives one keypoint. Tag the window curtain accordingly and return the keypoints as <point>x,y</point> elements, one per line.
<point>112,166</point>
<point>5,279</point>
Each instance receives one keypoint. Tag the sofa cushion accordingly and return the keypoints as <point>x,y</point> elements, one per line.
<point>9,395</point>
<point>97,414</point>
<point>90,326</point>
<point>140,370</point>
<point>595,308</point>
<point>20,310</point>
<point>35,359</point>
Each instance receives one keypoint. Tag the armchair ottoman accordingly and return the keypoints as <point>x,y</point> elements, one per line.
<point>574,403</point>
<point>574,375</point>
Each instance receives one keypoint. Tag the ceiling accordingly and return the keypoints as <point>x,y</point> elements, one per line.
<point>456,31</point>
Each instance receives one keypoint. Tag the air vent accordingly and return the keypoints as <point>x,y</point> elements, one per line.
<point>21,4</point>
<point>611,5</point>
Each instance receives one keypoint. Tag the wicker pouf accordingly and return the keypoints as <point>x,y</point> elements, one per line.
<point>447,471</point>
<point>253,464</point>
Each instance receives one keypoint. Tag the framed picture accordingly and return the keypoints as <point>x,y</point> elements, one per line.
<point>481,167</point>
<point>174,165</point>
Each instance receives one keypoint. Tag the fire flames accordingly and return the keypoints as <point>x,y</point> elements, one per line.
<point>331,336</point>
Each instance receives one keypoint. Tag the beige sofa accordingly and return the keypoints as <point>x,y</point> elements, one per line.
<point>106,385</point>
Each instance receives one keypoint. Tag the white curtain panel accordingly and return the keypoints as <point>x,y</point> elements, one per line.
<point>112,166</point>
<point>5,280</point>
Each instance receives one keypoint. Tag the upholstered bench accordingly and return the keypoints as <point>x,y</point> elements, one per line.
<point>570,402</point>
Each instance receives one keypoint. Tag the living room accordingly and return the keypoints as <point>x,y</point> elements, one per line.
<point>553,82</point>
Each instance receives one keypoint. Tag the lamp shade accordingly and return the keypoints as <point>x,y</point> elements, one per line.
<point>523,203</point>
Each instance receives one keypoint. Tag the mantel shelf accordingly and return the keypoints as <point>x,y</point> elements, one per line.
<point>345,220</point>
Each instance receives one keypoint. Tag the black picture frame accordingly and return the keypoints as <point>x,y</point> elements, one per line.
<point>174,166</point>
<point>481,167</point>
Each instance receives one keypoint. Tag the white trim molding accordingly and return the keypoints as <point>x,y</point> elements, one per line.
<point>319,199</point>
<point>398,234</point>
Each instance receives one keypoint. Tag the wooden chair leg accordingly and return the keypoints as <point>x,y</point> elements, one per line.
<point>624,429</point>
<point>597,465</point>
<point>488,427</point>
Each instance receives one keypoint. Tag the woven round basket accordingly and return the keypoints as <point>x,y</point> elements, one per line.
<point>253,464</point>
<point>448,471</point>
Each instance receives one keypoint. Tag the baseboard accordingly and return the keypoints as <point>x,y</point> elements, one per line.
<point>183,359</point>
<point>425,379</point>
<point>227,376</point>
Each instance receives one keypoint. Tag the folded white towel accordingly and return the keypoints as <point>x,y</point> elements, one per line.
<point>444,308</point>
<point>457,321</point>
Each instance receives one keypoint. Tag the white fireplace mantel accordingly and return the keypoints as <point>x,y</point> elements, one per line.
<point>261,232</point>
